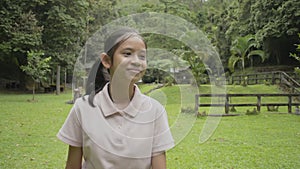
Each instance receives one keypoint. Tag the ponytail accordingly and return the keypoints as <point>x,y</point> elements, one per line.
<point>97,79</point>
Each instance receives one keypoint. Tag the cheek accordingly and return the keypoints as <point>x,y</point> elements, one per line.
<point>144,64</point>
<point>119,62</point>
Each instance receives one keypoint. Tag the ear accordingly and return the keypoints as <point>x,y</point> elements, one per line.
<point>106,60</point>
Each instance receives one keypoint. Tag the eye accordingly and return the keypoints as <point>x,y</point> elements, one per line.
<point>142,57</point>
<point>126,54</point>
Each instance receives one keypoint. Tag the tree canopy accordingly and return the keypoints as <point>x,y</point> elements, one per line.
<point>60,28</point>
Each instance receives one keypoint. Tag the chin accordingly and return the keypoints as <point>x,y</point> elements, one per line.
<point>136,77</point>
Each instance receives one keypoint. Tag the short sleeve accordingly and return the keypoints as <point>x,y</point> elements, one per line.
<point>163,139</point>
<point>71,131</point>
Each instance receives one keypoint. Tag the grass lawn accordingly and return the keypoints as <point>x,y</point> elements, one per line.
<point>268,140</point>
<point>28,129</point>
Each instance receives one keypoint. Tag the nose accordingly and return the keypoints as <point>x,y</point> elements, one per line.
<point>136,61</point>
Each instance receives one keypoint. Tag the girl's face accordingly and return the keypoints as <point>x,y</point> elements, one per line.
<point>129,60</point>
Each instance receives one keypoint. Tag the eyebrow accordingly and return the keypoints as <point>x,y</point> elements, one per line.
<point>131,49</point>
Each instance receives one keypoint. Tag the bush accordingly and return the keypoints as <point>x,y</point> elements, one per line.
<point>253,112</point>
<point>267,83</point>
<point>244,82</point>
<point>169,81</point>
<point>187,110</point>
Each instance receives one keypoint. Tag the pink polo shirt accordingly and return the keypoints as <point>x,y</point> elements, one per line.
<point>117,139</point>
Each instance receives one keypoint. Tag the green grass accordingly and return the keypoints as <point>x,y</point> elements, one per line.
<point>268,140</point>
<point>28,131</point>
<point>263,141</point>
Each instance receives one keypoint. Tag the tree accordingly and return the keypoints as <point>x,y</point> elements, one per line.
<point>220,15</point>
<point>242,49</point>
<point>19,32</point>
<point>274,23</point>
<point>297,55</point>
<point>37,67</point>
<point>64,27</point>
<point>277,24</point>
<point>68,24</point>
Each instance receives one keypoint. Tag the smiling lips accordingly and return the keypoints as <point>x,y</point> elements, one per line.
<point>134,70</point>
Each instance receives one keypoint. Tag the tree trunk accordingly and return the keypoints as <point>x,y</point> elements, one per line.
<point>33,90</point>
<point>58,80</point>
<point>65,82</point>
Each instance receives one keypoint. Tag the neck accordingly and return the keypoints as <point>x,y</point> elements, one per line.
<point>121,93</point>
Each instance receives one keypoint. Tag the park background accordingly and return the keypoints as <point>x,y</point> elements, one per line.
<point>41,40</point>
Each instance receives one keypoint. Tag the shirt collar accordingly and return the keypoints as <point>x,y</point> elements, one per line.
<point>108,108</point>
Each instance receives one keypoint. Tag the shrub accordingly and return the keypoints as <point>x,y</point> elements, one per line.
<point>187,110</point>
<point>169,81</point>
<point>244,82</point>
<point>267,83</point>
<point>253,112</point>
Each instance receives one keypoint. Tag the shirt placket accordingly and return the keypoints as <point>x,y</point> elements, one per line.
<point>120,128</point>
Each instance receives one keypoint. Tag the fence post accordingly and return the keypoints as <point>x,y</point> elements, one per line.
<point>266,77</point>
<point>258,102</point>
<point>280,76</point>
<point>290,104</point>
<point>256,80</point>
<point>196,104</point>
<point>248,77</point>
<point>226,104</point>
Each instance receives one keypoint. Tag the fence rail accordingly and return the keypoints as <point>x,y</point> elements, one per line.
<point>260,78</point>
<point>287,81</point>
<point>227,103</point>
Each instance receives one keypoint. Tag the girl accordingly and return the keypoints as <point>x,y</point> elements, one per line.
<point>115,126</point>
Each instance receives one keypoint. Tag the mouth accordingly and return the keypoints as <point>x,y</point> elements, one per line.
<point>134,70</point>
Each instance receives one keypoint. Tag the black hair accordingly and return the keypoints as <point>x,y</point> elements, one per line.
<point>99,75</point>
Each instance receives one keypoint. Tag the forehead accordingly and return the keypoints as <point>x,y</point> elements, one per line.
<point>133,42</point>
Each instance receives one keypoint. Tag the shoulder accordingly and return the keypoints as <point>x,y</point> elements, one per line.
<point>81,100</point>
<point>82,103</point>
<point>149,100</point>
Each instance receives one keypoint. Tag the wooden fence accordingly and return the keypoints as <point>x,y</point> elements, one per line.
<point>288,81</point>
<point>227,101</point>
<point>274,77</point>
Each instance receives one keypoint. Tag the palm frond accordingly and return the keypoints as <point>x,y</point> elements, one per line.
<point>260,53</point>
<point>232,61</point>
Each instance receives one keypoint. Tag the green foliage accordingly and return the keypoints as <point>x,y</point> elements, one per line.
<point>267,82</point>
<point>244,82</point>
<point>20,31</point>
<point>273,23</point>
<point>19,28</point>
<point>37,67</point>
<point>58,27</point>
<point>184,9</point>
<point>276,24</point>
<point>188,110</point>
<point>64,26</point>
<point>272,108</point>
<point>296,55</point>
<point>242,49</point>
<point>169,81</point>
<point>252,112</point>
<point>275,18</point>
<point>61,27</point>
